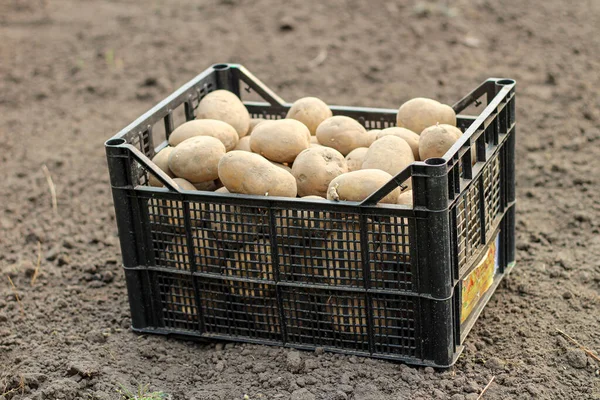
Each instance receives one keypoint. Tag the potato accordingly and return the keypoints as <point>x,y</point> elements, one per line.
<point>281,140</point>
<point>390,154</point>
<point>209,186</point>
<point>314,140</point>
<point>251,261</point>
<point>161,159</point>
<point>310,111</point>
<point>196,159</point>
<point>243,144</point>
<point>406,198</point>
<point>358,185</point>
<point>183,184</point>
<point>206,127</point>
<point>249,173</point>
<point>341,133</point>
<point>355,158</point>
<point>314,168</point>
<point>394,248</point>
<point>411,138</point>
<point>234,226</point>
<point>227,107</point>
<point>420,113</point>
<point>370,137</point>
<point>348,316</point>
<point>222,190</point>
<point>436,140</point>
<point>253,123</point>
<point>205,250</point>
<point>343,250</point>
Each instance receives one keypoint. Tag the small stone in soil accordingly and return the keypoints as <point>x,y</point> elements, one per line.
<point>567,295</point>
<point>319,351</point>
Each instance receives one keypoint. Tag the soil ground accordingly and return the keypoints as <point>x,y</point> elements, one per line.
<point>72,73</point>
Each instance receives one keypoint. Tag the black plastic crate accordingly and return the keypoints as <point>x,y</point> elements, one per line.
<point>385,281</point>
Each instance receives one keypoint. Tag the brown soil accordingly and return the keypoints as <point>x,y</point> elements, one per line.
<point>73,73</point>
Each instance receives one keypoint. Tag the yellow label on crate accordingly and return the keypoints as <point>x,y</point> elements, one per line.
<point>478,281</point>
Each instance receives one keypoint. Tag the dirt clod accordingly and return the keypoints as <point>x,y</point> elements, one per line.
<point>576,358</point>
<point>302,394</point>
<point>293,361</point>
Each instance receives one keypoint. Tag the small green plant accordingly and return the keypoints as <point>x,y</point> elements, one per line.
<point>142,394</point>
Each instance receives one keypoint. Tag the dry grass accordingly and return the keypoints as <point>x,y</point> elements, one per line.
<point>486,387</point>
<point>52,189</point>
<point>582,347</point>
<point>37,266</point>
<point>14,290</point>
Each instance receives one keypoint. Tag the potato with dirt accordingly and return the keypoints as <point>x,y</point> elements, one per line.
<point>205,127</point>
<point>390,154</point>
<point>358,185</point>
<point>419,113</point>
<point>161,159</point>
<point>411,138</point>
<point>315,167</point>
<point>341,133</point>
<point>355,158</point>
<point>225,106</point>
<point>311,111</point>
<point>436,140</point>
<point>281,140</point>
<point>196,159</point>
<point>250,173</point>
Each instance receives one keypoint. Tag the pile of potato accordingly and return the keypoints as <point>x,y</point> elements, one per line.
<point>309,153</point>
